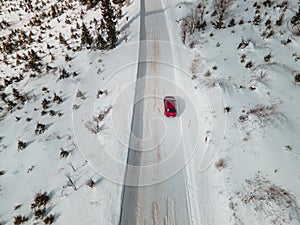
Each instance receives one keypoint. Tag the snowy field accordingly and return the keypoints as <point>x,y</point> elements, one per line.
<point>254,56</point>
<point>62,117</point>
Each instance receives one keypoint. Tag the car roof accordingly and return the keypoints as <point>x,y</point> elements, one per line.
<point>170,103</point>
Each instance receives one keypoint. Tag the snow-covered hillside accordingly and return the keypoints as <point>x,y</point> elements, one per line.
<point>59,93</point>
<point>43,61</point>
<point>252,49</point>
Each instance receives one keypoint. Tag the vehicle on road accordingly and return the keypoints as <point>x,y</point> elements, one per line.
<point>170,106</point>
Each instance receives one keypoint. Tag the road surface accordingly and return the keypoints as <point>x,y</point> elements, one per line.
<point>156,194</point>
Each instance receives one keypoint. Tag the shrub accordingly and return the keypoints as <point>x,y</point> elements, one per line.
<point>295,21</point>
<point>227,109</point>
<point>63,74</point>
<point>207,73</point>
<point>194,20</point>
<point>263,112</point>
<point>49,219</point>
<point>90,183</point>
<point>40,199</point>
<point>256,20</point>
<point>20,219</point>
<point>249,64</point>
<point>220,164</point>
<point>231,23</point>
<point>80,94</point>
<point>63,153</point>
<point>267,57</point>
<point>57,99</point>
<point>39,213</point>
<point>221,7</point>
<point>40,128</point>
<point>243,58</point>
<point>297,78</point>
<point>296,18</point>
<point>21,145</point>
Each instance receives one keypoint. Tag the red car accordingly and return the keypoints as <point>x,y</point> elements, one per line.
<point>170,106</point>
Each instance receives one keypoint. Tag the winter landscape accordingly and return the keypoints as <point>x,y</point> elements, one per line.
<point>83,135</point>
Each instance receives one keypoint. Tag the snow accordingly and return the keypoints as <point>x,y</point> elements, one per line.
<point>39,167</point>
<point>259,144</point>
<point>257,139</point>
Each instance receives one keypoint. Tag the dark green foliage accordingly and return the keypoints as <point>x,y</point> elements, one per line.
<point>100,42</point>
<point>49,219</point>
<point>110,22</point>
<point>40,128</point>
<point>218,24</point>
<point>63,153</point>
<point>296,19</point>
<point>86,39</point>
<point>118,2</point>
<point>4,24</point>
<point>39,213</point>
<point>268,57</point>
<point>20,219</point>
<point>63,74</point>
<point>57,99</point>
<point>62,40</point>
<point>34,61</point>
<point>297,78</point>
<point>21,145</point>
<point>256,20</point>
<point>40,199</point>
<point>89,3</point>
<point>231,23</point>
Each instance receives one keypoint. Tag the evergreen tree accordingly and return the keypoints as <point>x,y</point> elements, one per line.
<point>86,38</point>
<point>89,3</point>
<point>111,35</point>
<point>100,42</point>
<point>110,21</point>
<point>118,2</point>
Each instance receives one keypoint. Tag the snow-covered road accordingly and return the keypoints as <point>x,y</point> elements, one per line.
<point>155,192</point>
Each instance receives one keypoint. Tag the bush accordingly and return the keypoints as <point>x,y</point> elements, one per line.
<point>295,21</point>
<point>194,20</point>
<point>40,199</point>
<point>268,57</point>
<point>39,213</point>
<point>249,64</point>
<point>221,7</point>
<point>40,128</point>
<point>296,18</point>
<point>21,145</point>
<point>220,164</point>
<point>297,78</point>
<point>90,183</point>
<point>20,219</point>
<point>49,219</point>
<point>63,153</point>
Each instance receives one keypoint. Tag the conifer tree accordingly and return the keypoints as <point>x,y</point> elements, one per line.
<point>110,23</point>
<point>118,2</point>
<point>100,42</point>
<point>111,35</point>
<point>86,38</point>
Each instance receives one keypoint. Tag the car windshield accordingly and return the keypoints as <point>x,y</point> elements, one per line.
<point>171,110</point>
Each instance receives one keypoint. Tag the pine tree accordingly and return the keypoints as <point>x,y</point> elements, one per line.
<point>61,39</point>
<point>110,21</point>
<point>100,42</point>
<point>118,2</point>
<point>111,35</point>
<point>89,3</point>
<point>86,38</point>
